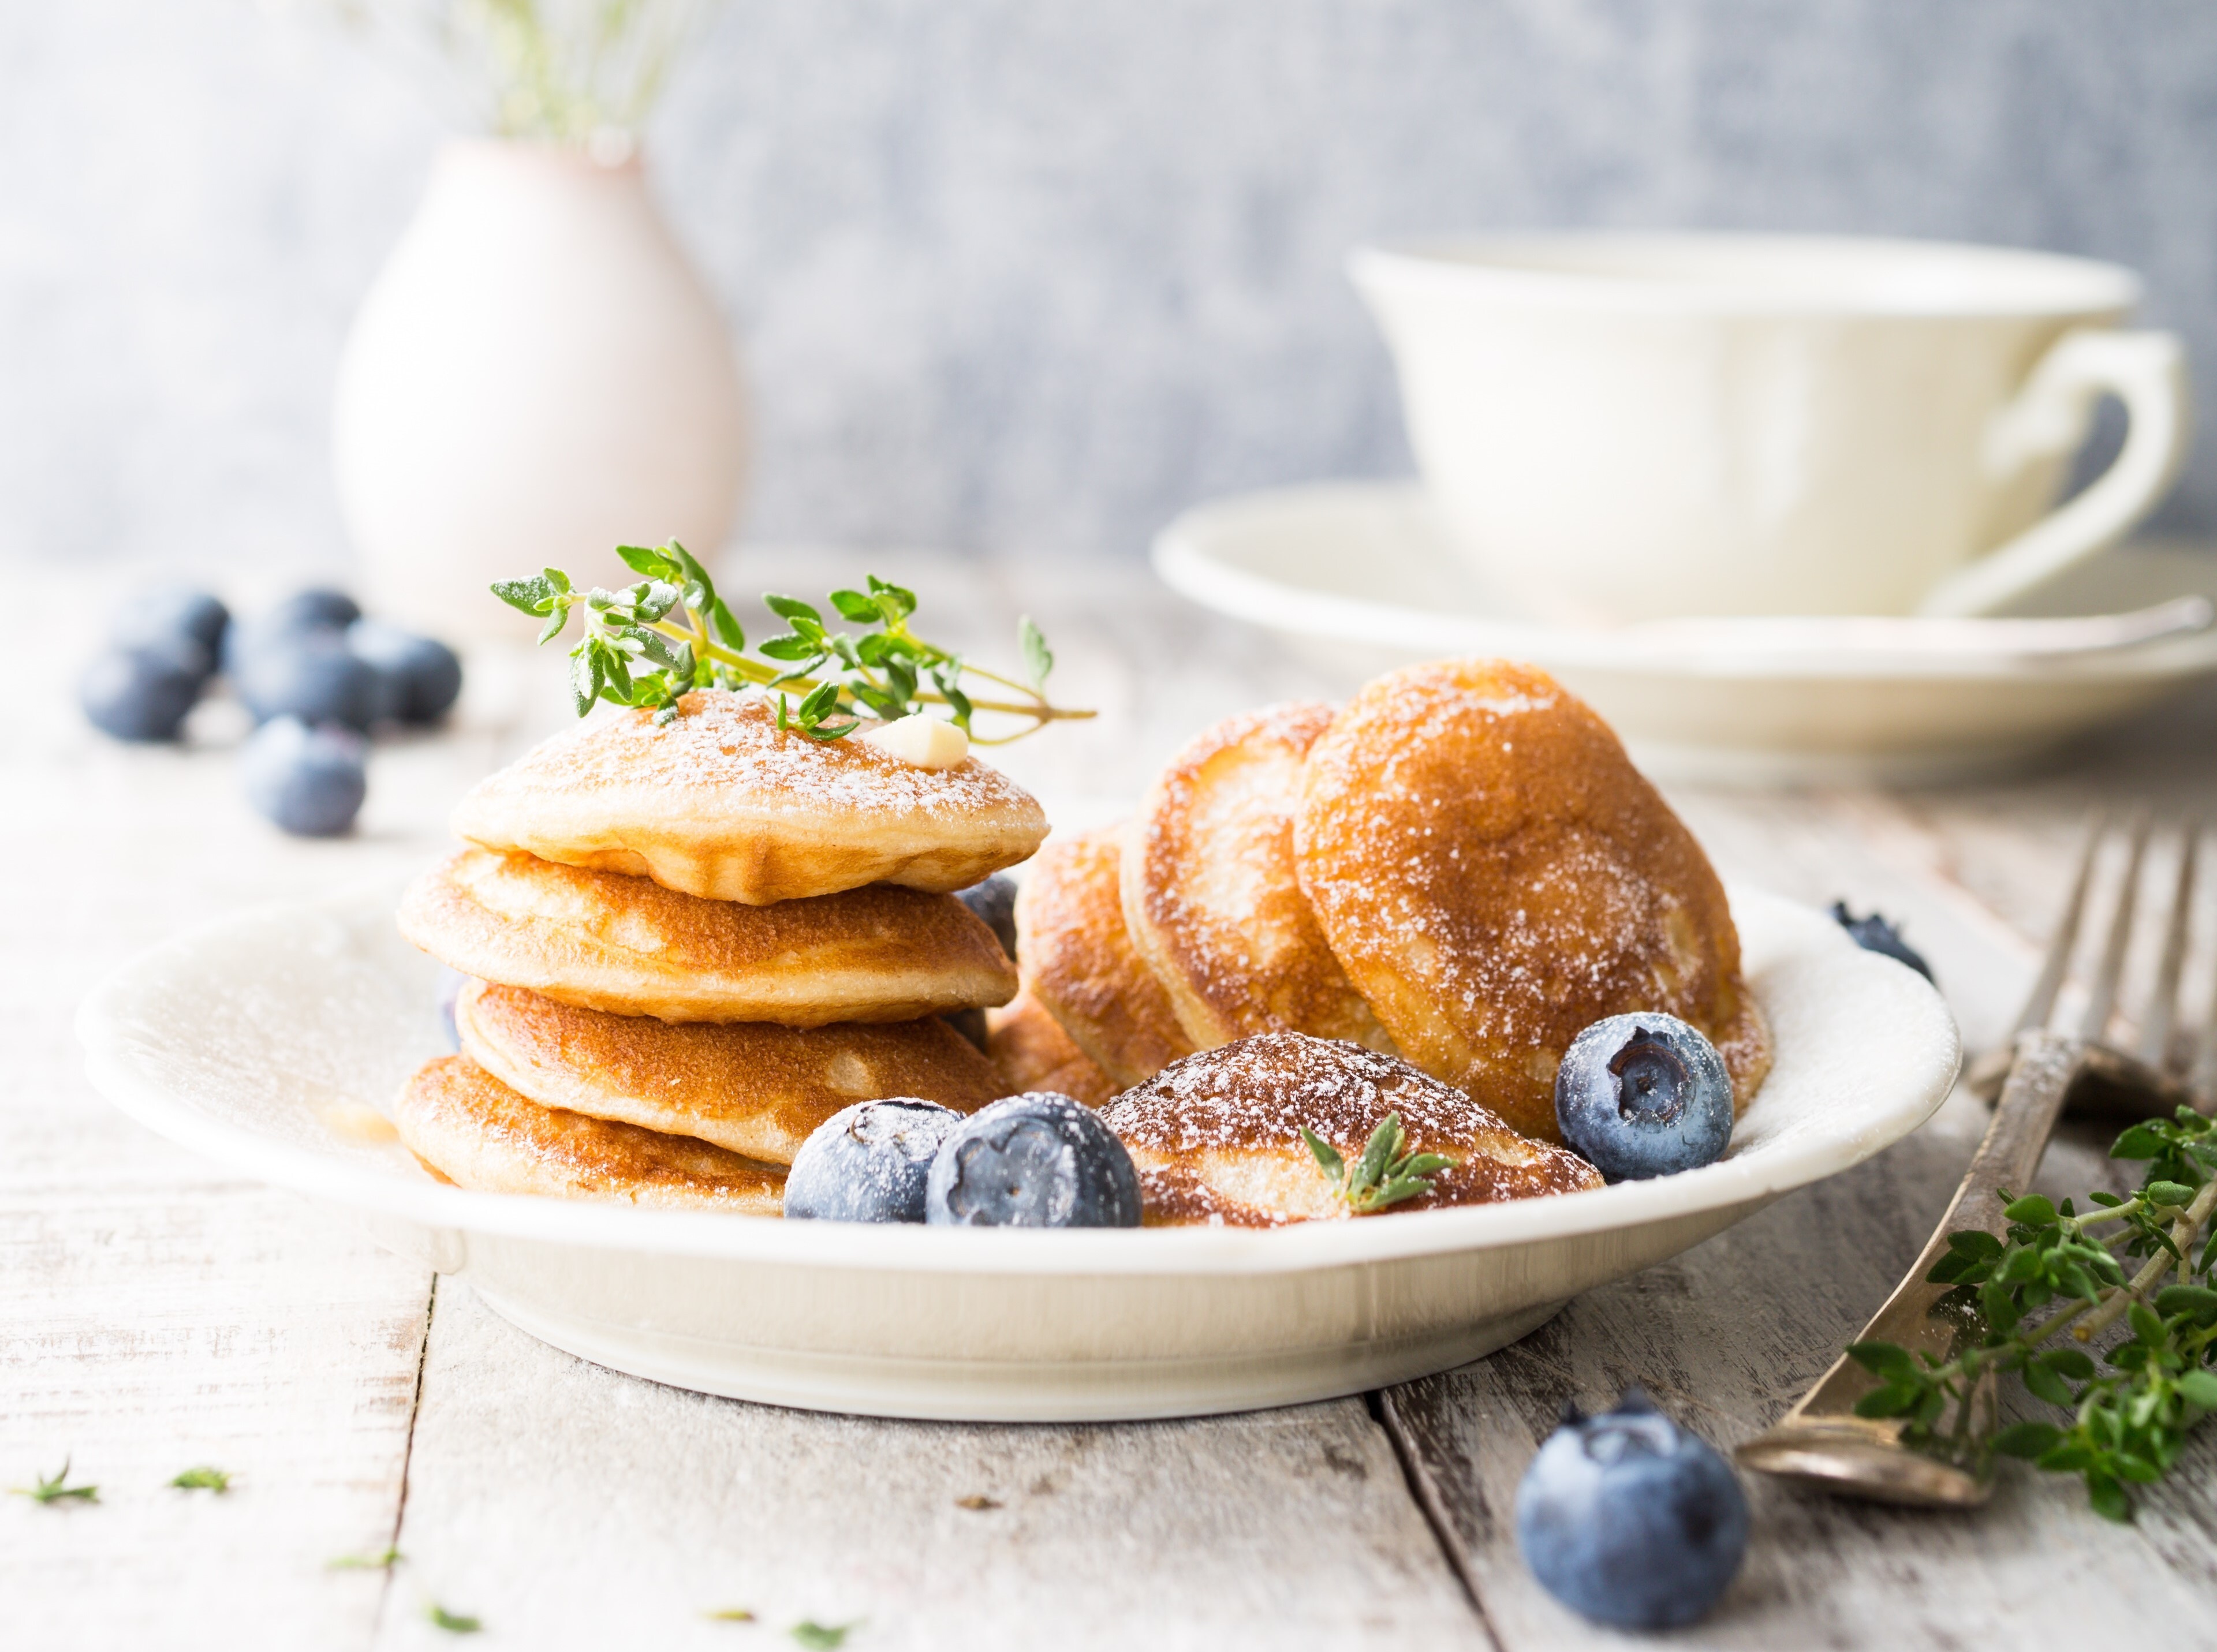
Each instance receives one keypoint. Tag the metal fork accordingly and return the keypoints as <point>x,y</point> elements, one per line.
<point>1821,1440</point>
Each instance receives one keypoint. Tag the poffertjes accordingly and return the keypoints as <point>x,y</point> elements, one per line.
<point>1495,876</point>
<point>1078,962</point>
<point>478,1133</point>
<point>606,940</point>
<point>1216,1137</point>
<point>746,1086</point>
<point>722,804</point>
<point>1211,897</point>
<point>1030,1051</point>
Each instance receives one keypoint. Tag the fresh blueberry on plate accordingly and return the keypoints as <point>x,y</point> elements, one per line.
<point>1630,1520</point>
<point>317,610</point>
<point>307,781</point>
<point>1038,1160</point>
<point>869,1162</point>
<point>1875,934</point>
<point>313,676</point>
<point>163,614</point>
<point>144,692</point>
<point>995,901</point>
<point>419,678</point>
<point>1643,1095</point>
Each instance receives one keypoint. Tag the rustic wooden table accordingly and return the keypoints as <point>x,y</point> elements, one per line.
<point>156,1312</point>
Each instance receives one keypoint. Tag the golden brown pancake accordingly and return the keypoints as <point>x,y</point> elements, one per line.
<point>1031,1051</point>
<point>750,1086</point>
<point>1080,965</point>
<point>603,940</point>
<point>1495,876</point>
<point>1216,1137</point>
<point>1211,898</point>
<point>475,1131</point>
<point>721,803</point>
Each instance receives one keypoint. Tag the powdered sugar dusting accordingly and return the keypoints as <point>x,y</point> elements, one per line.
<point>730,742</point>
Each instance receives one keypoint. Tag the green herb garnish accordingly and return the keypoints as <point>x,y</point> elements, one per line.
<point>54,1489</point>
<point>384,1563</point>
<point>2129,1421</point>
<point>1384,1174</point>
<point>453,1622</point>
<point>731,1615</point>
<point>203,1479</point>
<point>670,633</point>
<point>823,1637</point>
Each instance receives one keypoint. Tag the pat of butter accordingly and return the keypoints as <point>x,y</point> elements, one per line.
<point>927,742</point>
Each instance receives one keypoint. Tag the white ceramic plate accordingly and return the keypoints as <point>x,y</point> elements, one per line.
<point>241,1039</point>
<point>1361,577</point>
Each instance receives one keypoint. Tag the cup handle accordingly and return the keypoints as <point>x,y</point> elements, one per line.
<point>2147,373</point>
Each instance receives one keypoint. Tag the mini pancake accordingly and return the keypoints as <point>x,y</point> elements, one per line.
<point>749,1086</point>
<point>1216,1137</point>
<point>473,1130</point>
<point>1211,897</point>
<point>1030,1051</point>
<point>1080,965</point>
<point>722,804</point>
<point>603,940</point>
<point>1495,876</point>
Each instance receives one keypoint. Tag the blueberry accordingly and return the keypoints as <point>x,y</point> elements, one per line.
<point>313,676</point>
<point>1038,1160</point>
<point>869,1162</point>
<point>317,610</point>
<point>1875,934</point>
<point>1631,1519</point>
<point>307,781</point>
<point>995,901</point>
<point>419,678</point>
<point>144,692</point>
<point>164,613</point>
<point>1643,1095</point>
<point>451,982</point>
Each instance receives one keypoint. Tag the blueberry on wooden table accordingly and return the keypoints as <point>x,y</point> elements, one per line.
<point>1630,1520</point>
<point>307,781</point>
<point>144,692</point>
<point>995,901</point>
<point>869,1162</point>
<point>317,609</point>
<point>1643,1095</point>
<point>1038,1160</point>
<point>313,676</point>
<point>1875,934</point>
<point>419,678</point>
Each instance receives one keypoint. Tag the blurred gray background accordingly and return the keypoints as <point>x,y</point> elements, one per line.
<point>1022,277</point>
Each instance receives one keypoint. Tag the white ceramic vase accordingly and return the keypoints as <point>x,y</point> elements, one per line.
<point>537,376</point>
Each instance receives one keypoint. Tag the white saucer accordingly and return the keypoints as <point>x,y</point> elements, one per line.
<point>1360,577</point>
<point>248,1040</point>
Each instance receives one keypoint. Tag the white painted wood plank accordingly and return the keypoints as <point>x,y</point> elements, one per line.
<point>567,1505</point>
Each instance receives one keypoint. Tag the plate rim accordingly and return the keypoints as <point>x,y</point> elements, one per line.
<point>103,1029</point>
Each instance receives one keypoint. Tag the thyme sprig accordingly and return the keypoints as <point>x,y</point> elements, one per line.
<point>2059,1271</point>
<point>649,643</point>
<point>1383,1174</point>
<point>53,1489</point>
<point>203,1479</point>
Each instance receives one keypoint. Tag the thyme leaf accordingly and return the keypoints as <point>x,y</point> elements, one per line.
<point>1383,1174</point>
<point>648,643</point>
<point>53,1489</point>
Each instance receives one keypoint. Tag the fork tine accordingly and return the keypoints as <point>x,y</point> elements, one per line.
<point>2052,968</point>
<point>2163,1005</point>
<point>2101,1003</point>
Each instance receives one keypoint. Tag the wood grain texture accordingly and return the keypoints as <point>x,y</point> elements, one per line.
<point>568,1506</point>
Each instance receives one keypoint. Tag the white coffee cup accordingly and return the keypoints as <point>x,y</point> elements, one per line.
<point>1621,427</point>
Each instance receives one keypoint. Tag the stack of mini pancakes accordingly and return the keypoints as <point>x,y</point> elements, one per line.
<point>689,944</point>
<point>1460,868</point>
